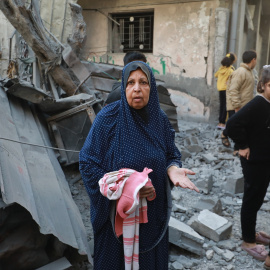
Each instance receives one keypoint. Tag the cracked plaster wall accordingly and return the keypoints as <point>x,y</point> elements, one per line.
<point>184,45</point>
<point>184,37</point>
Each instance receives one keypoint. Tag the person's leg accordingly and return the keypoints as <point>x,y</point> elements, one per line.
<point>222,107</point>
<point>224,135</point>
<point>257,178</point>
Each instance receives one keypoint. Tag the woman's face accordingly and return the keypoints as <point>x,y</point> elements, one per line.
<point>137,89</point>
<point>266,92</point>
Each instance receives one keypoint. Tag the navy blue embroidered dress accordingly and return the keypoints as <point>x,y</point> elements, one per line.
<point>121,138</point>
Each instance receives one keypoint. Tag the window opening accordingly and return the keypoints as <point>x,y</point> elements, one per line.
<point>134,32</point>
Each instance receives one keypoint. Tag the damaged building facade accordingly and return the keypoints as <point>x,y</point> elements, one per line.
<point>184,42</point>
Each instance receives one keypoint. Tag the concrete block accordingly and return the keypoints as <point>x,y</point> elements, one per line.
<point>192,131</point>
<point>211,225</point>
<point>228,201</point>
<point>205,185</point>
<point>227,255</point>
<point>186,262</point>
<point>227,244</point>
<point>179,208</point>
<point>208,158</point>
<point>177,266</point>
<point>61,264</point>
<point>176,194</point>
<point>218,250</point>
<point>209,254</point>
<point>214,205</point>
<point>235,184</point>
<point>185,237</point>
<point>193,145</point>
<point>185,154</point>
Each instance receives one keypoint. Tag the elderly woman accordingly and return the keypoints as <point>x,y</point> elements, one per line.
<point>133,133</point>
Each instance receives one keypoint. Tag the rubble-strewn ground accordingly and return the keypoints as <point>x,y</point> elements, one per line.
<point>222,166</point>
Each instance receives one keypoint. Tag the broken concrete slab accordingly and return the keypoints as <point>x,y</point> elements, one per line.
<point>177,266</point>
<point>228,201</point>
<point>205,185</point>
<point>193,145</point>
<point>234,184</point>
<point>209,254</point>
<point>192,131</point>
<point>266,207</point>
<point>227,244</point>
<point>208,158</point>
<point>217,250</point>
<point>185,237</point>
<point>214,205</point>
<point>176,195</point>
<point>227,255</point>
<point>211,225</point>
<point>225,156</point>
<point>179,208</point>
<point>61,264</point>
<point>185,154</point>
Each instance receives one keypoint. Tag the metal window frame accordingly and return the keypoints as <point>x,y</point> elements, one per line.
<point>132,36</point>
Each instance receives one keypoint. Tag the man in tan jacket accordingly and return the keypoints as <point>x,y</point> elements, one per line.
<point>240,88</point>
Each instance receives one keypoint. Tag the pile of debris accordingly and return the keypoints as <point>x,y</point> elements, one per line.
<point>204,229</point>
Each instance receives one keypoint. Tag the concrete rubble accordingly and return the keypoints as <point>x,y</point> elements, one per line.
<point>192,248</point>
<point>234,184</point>
<point>211,225</point>
<point>184,236</point>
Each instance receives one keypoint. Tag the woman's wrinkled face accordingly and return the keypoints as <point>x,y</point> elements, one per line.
<point>137,89</point>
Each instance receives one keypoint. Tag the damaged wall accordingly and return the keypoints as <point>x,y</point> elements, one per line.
<point>56,16</point>
<point>184,39</point>
<point>5,35</point>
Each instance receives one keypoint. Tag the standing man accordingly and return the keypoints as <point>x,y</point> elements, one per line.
<point>240,89</point>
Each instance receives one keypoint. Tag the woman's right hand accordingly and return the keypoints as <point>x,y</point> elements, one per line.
<point>147,191</point>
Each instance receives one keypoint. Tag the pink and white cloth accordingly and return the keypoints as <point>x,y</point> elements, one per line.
<point>124,186</point>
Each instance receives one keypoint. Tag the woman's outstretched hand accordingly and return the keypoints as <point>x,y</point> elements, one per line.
<point>179,177</point>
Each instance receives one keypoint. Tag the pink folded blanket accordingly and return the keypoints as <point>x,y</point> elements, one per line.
<point>124,186</point>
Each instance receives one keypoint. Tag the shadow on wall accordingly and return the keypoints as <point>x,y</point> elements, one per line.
<point>188,107</point>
